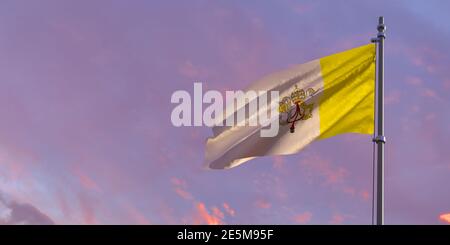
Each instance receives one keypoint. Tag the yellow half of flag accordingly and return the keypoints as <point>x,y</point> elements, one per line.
<point>333,95</point>
<point>347,102</point>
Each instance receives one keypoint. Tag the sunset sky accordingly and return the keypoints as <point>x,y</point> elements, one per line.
<point>85,130</point>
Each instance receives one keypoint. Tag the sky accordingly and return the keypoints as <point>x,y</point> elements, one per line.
<point>85,130</point>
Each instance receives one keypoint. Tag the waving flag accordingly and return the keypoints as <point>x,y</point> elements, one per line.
<point>319,99</point>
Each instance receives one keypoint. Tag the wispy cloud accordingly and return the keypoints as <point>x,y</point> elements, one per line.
<point>262,204</point>
<point>87,208</point>
<point>180,188</point>
<point>337,219</point>
<point>228,209</point>
<point>137,216</point>
<point>303,218</point>
<point>318,165</point>
<point>86,181</point>
<point>203,216</point>
<point>445,218</point>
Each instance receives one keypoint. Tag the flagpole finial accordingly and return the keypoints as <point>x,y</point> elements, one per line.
<point>381,27</point>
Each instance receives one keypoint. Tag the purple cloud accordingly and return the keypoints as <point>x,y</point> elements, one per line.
<point>14,213</point>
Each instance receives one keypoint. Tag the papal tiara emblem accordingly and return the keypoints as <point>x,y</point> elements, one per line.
<point>294,108</point>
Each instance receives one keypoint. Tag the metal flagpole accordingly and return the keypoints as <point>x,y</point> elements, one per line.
<point>380,139</point>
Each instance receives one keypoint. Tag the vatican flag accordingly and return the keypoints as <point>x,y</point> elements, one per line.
<point>319,99</point>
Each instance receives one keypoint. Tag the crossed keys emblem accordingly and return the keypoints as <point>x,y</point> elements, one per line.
<point>293,108</point>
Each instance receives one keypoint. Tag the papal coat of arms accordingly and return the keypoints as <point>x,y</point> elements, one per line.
<point>294,108</point>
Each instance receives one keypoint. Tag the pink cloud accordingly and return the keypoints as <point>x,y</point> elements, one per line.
<point>87,209</point>
<point>202,216</point>
<point>14,158</point>
<point>430,68</point>
<point>337,219</point>
<point>167,214</point>
<point>86,181</point>
<point>323,167</point>
<point>178,182</point>
<point>354,192</point>
<point>183,194</point>
<point>17,170</point>
<point>228,209</point>
<point>214,216</point>
<point>426,57</point>
<point>303,218</point>
<point>349,190</point>
<point>262,204</point>
<point>63,204</point>
<point>365,195</point>
<point>445,218</point>
<point>430,93</point>
<point>189,70</point>
<point>137,216</point>
<point>180,186</point>
<point>218,213</point>
<point>415,81</point>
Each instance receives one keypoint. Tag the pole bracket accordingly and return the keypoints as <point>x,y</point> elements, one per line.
<point>375,40</point>
<point>379,139</point>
